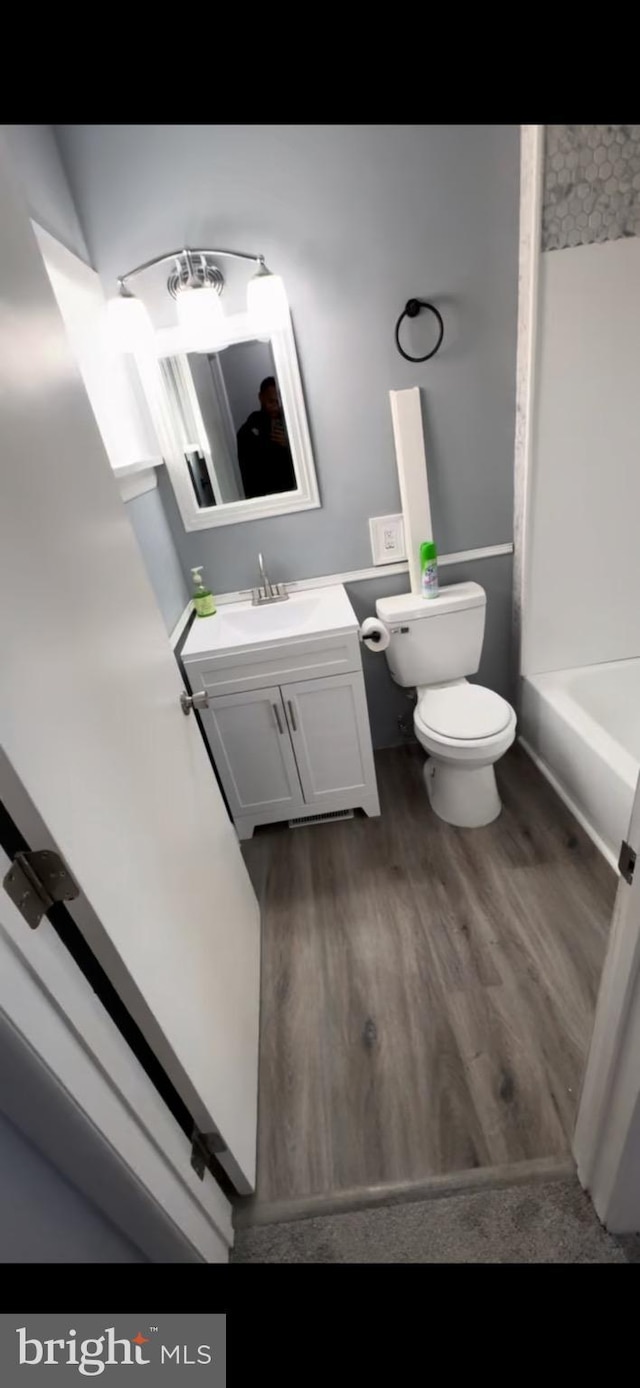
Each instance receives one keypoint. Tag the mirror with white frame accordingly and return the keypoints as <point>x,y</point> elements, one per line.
<point>225,393</point>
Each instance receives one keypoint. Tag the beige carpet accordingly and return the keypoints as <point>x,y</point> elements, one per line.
<point>546,1222</point>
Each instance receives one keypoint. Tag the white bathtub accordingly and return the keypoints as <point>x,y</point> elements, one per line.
<point>582,727</point>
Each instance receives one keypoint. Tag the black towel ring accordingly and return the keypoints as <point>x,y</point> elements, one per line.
<point>411,310</point>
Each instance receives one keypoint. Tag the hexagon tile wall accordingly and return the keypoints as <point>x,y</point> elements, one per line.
<point>591,184</point>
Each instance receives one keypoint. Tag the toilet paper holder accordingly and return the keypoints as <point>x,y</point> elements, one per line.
<point>377,635</point>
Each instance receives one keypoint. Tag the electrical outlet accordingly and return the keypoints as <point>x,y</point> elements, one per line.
<point>387,539</point>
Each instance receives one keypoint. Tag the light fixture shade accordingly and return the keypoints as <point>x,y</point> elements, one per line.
<point>200,317</point>
<point>266,302</point>
<point>128,324</point>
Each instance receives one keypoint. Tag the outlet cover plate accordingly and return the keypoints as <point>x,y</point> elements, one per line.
<point>387,539</point>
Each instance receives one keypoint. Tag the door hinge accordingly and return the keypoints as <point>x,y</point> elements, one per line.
<point>35,881</point>
<point>189,701</point>
<point>627,861</point>
<point>203,1147</point>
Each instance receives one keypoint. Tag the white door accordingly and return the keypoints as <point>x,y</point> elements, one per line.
<point>606,1141</point>
<point>252,751</point>
<point>91,722</point>
<point>329,726</point>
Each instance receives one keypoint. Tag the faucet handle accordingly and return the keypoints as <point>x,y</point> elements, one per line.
<point>265,581</point>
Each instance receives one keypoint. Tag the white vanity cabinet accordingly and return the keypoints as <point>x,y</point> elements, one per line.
<point>250,739</point>
<point>329,726</point>
<point>287,722</point>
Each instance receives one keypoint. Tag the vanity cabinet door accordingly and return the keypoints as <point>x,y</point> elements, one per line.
<point>253,753</point>
<point>329,725</point>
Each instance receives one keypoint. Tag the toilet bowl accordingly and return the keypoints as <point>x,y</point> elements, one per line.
<point>464,728</point>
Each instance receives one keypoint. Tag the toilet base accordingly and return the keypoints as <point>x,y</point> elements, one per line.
<point>467,797</point>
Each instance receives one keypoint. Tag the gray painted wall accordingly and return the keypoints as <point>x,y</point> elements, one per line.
<point>356,219</point>
<point>44,1219</point>
<point>149,520</point>
<point>37,159</point>
<point>591,184</point>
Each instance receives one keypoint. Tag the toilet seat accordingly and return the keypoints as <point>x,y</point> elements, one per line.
<point>463,712</point>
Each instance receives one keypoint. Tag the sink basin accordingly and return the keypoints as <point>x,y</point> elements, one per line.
<point>274,618</point>
<point>239,626</point>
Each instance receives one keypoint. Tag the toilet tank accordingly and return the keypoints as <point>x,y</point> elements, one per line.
<point>434,640</point>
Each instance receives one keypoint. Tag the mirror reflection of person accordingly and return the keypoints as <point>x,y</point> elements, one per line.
<point>264,455</point>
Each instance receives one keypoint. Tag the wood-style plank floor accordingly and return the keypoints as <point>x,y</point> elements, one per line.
<point>427,992</point>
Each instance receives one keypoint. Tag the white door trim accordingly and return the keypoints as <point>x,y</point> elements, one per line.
<point>48,1003</point>
<point>610,1097</point>
<point>531,182</point>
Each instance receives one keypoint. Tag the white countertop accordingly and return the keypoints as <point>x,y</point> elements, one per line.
<point>239,626</point>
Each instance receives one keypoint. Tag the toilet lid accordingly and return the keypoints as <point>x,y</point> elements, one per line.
<point>464,711</point>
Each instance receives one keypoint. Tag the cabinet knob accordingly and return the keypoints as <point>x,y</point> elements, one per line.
<point>189,701</point>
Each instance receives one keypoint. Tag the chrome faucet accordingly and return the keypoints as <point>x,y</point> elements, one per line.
<point>269,592</point>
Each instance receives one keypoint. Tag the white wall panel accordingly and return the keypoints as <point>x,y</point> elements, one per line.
<point>583,578</point>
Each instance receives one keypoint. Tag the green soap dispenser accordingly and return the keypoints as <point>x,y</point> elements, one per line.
<point>203,600</point>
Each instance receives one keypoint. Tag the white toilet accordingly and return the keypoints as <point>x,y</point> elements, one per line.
<point>464,728</point>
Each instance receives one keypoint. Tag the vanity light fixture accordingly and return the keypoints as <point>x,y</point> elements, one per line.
<point>196,283</point>
<point>196,287</point>
<point>128,323</point>
<point>266,300</point>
